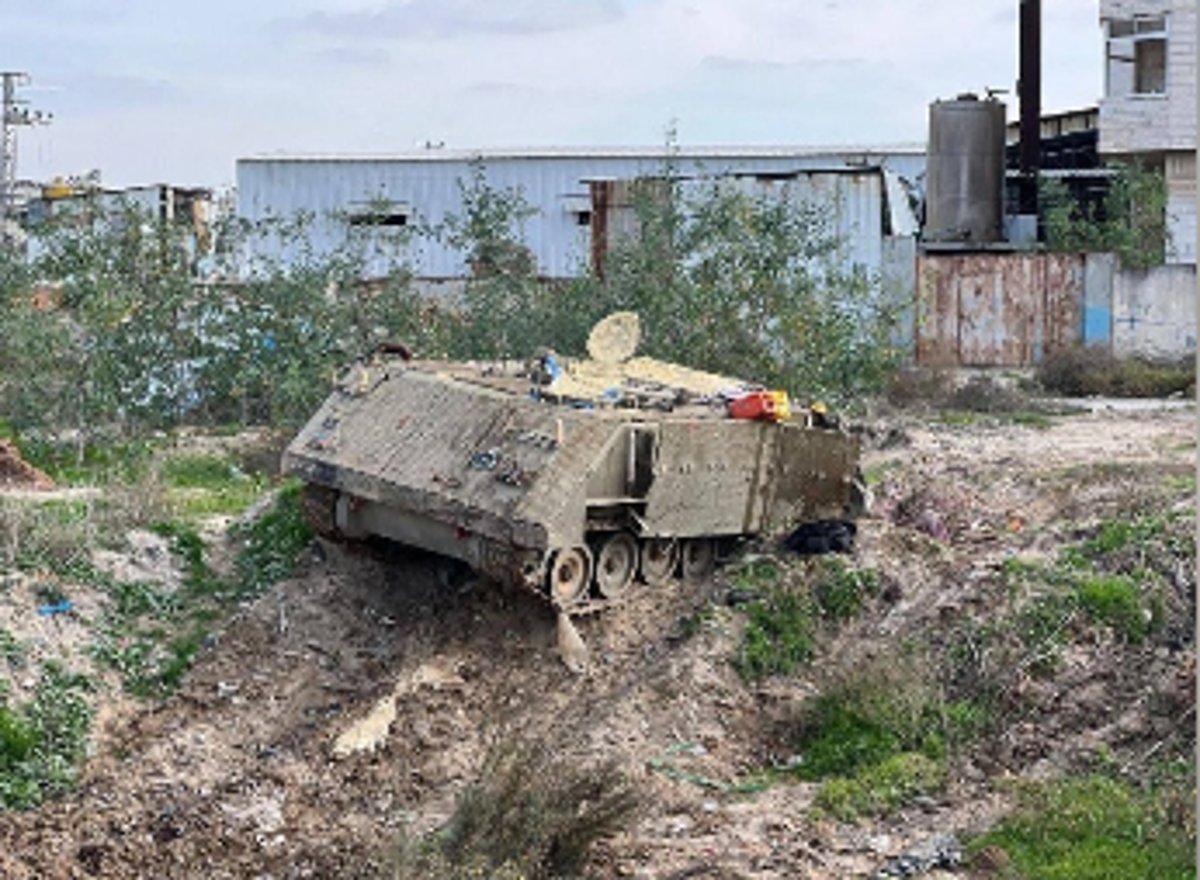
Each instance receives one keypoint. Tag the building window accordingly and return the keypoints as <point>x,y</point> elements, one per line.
<point>1137,56</point>
<point>1150,67</point>
<point>378,218</point>
<point>583,218</point>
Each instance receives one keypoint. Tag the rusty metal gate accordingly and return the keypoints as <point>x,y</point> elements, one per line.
<point>996,309</point>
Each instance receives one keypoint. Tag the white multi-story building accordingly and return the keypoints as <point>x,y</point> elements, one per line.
<point>1149,107</point>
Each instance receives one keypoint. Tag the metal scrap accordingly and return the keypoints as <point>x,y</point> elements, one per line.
<point>485,460</point>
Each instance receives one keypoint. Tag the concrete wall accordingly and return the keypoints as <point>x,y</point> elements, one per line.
<point>1180,173</point>
<point>1154,311</point>
<point>1098,272</point>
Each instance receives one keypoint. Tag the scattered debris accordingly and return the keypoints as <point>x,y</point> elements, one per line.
<point>367,734</point>
<point>64,607</point>
<point>571,649</point>
<point>942,851</point>
<point>826,536</point>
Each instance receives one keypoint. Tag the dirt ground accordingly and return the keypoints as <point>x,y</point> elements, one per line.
<point>234,776</point>
<point>16,473</point>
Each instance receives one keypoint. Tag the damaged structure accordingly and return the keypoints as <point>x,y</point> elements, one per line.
<point>578,197</point>
<point>1148,113</point>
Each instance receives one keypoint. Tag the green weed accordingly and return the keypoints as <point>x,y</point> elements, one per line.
<point>865,720</point>
<point>757,575</point>
<point>207,485</point>
<point>779,634</point>
<point>271,544</point>
<point>880,788</point>
<point>1044,628</point>
<point>188,546</point>
<point>151,637</point>
<point>1114,578</point>
<point>1116,601</point>
<point>151,662</point>
<point>782,620</point>
<point>42,742</point>
<point>199,472</point>
<point>1093,828</point>
<point>880,736</point>
<point>840,591</point>
<point>100,462</point>
<point>12,651</point>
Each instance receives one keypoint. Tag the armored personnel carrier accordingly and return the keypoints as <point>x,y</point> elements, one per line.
<point>574,478</point>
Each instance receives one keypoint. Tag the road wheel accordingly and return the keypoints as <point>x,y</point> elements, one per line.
<point>660,556</point>
<point>567,579</point>
<point>616,564</point>
<point>699,558</point>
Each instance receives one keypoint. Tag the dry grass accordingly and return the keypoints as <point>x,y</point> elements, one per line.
<point>531,815</point>
<point>1086,371</point>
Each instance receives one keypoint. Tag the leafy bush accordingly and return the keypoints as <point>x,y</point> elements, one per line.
<point>1080,371</point>
<point>1131,220</point>
<point>530,816</point>
<point>132,341</point>
<point>198,471</point>
<point>1093,828</point>
<point>909,386</point>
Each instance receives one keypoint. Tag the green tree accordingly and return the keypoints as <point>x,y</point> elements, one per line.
<point>753,285</point>
<point>132,340</point>
<point>1131,221</point>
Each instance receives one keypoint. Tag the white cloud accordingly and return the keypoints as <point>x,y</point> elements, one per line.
<point>410,19</point>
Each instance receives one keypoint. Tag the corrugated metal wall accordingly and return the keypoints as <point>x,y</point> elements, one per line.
<point>996,309</point>
<point>557,187</point>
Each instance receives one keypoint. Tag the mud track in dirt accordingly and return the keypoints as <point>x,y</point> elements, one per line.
<point>234,776</point>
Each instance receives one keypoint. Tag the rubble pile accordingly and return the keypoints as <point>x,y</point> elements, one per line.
<point>16,473</point>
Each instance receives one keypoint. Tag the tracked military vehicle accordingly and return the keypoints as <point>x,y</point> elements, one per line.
<point>574,478</point>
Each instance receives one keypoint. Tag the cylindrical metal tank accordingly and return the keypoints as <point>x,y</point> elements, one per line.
<point>964,175</point>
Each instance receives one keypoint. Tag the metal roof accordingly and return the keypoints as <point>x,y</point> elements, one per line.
<point>442,154</point>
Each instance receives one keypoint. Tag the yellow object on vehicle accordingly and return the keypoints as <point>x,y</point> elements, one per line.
<point>783,407</point>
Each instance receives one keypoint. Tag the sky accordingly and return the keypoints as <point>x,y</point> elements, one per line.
<point>151,91</point>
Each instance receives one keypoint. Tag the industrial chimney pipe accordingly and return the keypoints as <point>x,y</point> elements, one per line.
<point>1029,89</point>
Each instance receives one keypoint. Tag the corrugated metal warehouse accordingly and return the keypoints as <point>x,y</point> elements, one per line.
<point>866,192</point>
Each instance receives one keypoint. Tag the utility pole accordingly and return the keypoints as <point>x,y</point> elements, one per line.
<point>15,114</point>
